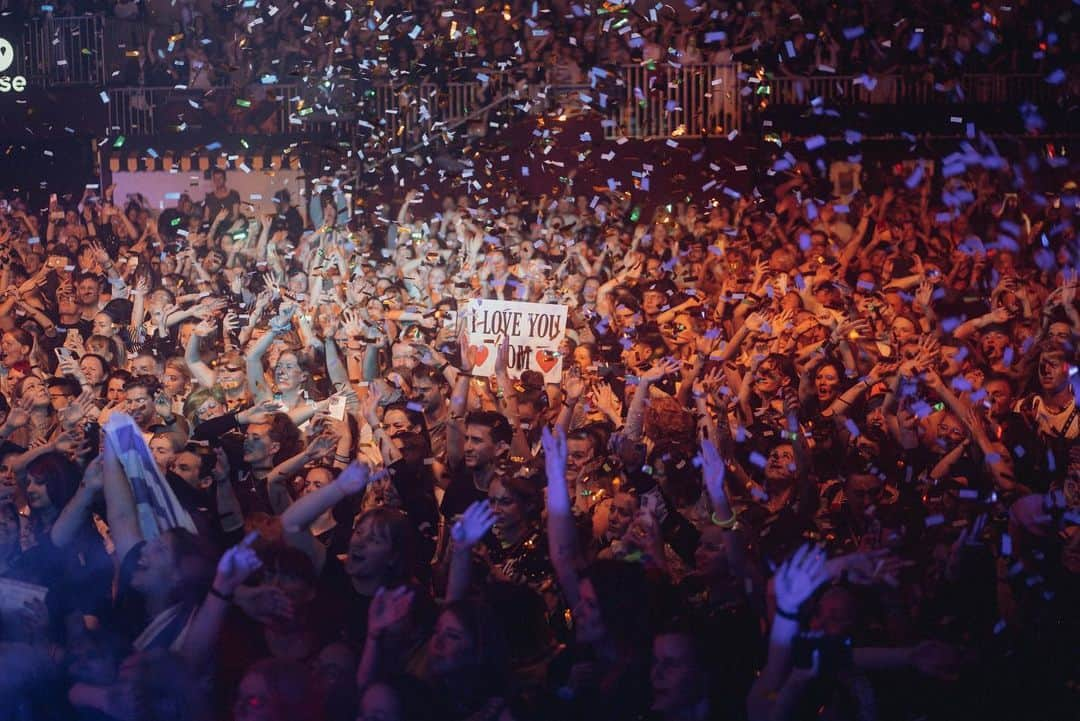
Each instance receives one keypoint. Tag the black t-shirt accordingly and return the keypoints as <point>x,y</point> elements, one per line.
<point>340,606</point>
<point>461,493</point>
<point>214,204</point>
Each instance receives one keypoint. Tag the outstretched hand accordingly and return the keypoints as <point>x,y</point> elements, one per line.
<point>354,478</point>
<point>473,525</point>
<point>554,445</point>
<point>799,576</point>
<point>236,565</point>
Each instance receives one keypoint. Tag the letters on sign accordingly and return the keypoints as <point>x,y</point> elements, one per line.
<point>535,331</point>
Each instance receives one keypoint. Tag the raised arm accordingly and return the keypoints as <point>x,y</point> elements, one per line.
<point>201,372</point>
<point>235,566</point>
<point>562,534</point>
<point>120,513</point>
<point>468,531</point>
<point>795,581</point>
<point>77,511</point>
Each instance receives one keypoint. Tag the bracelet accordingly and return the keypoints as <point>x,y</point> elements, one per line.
<point>787,614</point>
<point>728,524</point>
<point>227,598</point>
<point>443,367</point>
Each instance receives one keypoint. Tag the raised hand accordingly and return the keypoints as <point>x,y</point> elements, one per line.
<point>354,479</point>
<point>205,328</point>
<point>388,609</point>
<point>713,470</point>
<point>19,415</point>
<point>1068,287</point>
<point>502,356</point>
<point>882,370</point>
<point>322,444</point>
<point>554,445</point>
<point>755,322</point>
<point>353,327</point>
<point>370,404</point>
<point>236,565</point>
<point>661,368</point>
<point>924,295</point>
<point>799,576</point>
<point>231,323</point>
<point>606,401</point>
<point>709,383</point>
<point>265,604</point>
<point>250,415</point>
<point>573,386</point>
<point>1000,315</point>
<point>78,409</point>
<point>473,525</point>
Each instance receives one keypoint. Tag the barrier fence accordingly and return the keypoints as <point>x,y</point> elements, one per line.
<point>66,50</point>
<point>899,89</point>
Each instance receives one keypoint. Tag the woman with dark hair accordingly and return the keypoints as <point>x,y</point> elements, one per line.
<point>466,663</point>
<point>65,552</point>
<point>520,554</point>
<point>820,386</point>
<point>381,553</point>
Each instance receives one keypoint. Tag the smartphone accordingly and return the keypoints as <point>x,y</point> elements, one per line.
<point>64,354</point>
<point>835,653</point>
<point>337,407</point>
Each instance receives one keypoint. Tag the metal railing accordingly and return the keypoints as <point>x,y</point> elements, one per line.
<point>67,50</point>
<point>690,100</point>
<point>914,90</point>
<point>650,102</point>
<point>402,114</point>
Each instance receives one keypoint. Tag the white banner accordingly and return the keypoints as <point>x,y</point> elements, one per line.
<point>535,330</point>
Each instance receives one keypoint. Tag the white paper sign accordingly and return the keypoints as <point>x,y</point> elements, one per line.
<point>14,595</point>
<point>536,330</point>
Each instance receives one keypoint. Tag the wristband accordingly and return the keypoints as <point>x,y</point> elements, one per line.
<point>443,367</point>
<point>728,524</point>
<point>787,614</point>
<point>228,598</point>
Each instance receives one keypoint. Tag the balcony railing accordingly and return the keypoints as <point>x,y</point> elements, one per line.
<point>67,50</point>
<point>647,102</point>
<point>900,89</point>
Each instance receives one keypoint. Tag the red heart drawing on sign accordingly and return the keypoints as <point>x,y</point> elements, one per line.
<point>546,360</point>
<point>478,354</point>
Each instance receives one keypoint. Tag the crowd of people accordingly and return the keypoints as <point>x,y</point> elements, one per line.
<point>562,42</point>
<point>809,456</point>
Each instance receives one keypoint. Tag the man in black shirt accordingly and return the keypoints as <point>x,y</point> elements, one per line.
<point>486,442</point>
<point>220,197</point>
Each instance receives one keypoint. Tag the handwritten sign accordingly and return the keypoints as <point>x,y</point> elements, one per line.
<point>536,331</point>
<point>14,595</point>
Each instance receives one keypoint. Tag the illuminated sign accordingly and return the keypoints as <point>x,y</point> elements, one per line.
<point>9,84</point>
